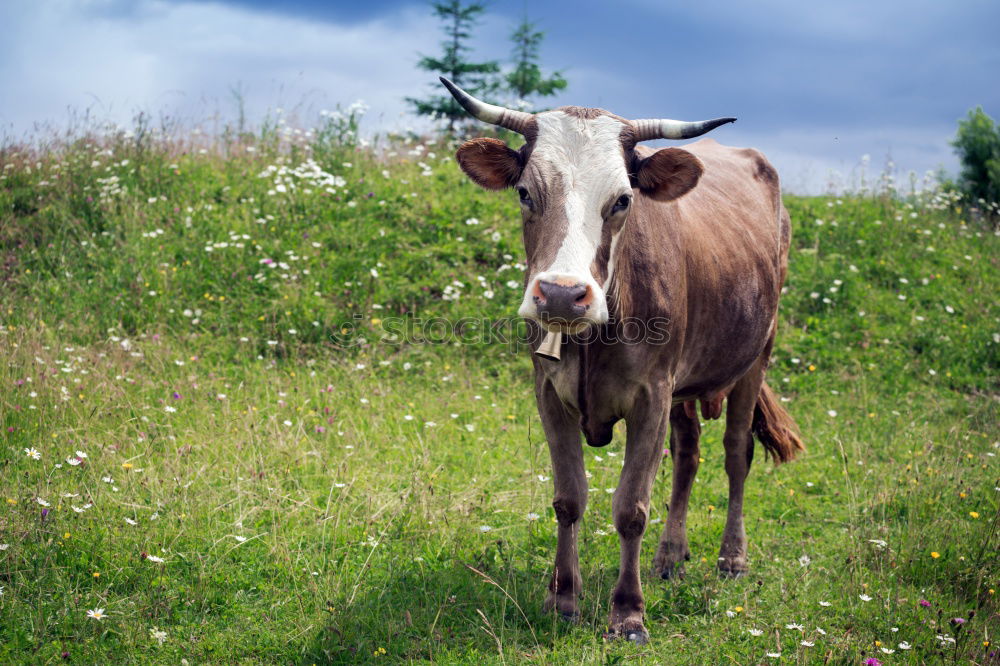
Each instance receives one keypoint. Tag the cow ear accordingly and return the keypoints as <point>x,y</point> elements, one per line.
<point>490,163</point>
<point>668,174</point>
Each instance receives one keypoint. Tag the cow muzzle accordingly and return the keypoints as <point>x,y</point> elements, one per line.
<point>565,304</point>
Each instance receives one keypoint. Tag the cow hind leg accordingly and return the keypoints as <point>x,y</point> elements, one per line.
<point>738,443</point>
<point>673,549</point>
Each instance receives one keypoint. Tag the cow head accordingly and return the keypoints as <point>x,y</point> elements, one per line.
<point>577,177</point>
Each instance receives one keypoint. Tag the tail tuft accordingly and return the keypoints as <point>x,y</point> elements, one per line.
<point>774,427</point>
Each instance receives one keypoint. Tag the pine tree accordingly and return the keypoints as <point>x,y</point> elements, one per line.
<point>526,79</point>
<point>478,78</point>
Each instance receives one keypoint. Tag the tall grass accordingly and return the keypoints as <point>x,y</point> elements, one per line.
<point>229,353</point>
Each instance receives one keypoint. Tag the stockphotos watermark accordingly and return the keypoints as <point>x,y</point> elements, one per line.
<point>515,333</point>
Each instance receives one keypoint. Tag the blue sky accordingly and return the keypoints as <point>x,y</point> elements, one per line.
<point>815,85</point>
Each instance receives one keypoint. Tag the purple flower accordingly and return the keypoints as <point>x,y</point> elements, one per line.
<point>45,512</point>
<point>925,603</point>
<point>177,396</point>
<point>872,661</point>
<point>958,620</point>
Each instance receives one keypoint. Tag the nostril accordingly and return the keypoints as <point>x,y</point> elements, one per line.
<point>585,295</point>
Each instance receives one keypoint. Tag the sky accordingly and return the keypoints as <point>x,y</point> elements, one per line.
<point>816,85</point>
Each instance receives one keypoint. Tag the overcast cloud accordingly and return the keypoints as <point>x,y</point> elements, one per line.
<point>815,85</point>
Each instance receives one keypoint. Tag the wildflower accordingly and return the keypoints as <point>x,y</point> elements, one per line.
<point>169,409</point>
<point>73,461</point>
<point>774,655</point>
<point>792,625</point>
<point>42,502</point>
<point>81,455</point>
<point>974,514</point>
<point>925,603</point>
<point>825,604</point>
<point>532,516</point>
<point>832,412</point>
<point>241,539</point>
<point>485,528</point>
<point>158,635</point>
<point>887,650</point>
<point>155,559</point>
<point>904,646</point>
<point>804,561</point>
<point>806,644</point>
<point>755,632</point>
<point>33,453</point>
<point>96,613</point>
<point>935,554</point>
<point>131,522</point>
<point>864,597</point>
<point>872,661</point>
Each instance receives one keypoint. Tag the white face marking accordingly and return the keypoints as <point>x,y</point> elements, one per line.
<point>587,155</point>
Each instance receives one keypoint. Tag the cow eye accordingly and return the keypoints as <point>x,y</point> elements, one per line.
<point>622,203</point>
<point>523,193</point>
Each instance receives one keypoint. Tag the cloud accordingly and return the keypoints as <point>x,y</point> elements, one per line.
<point>186,58</point>
<point>814,85</point>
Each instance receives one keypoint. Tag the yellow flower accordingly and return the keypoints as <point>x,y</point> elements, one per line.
<point>974,514</point>
<point>962,495</point>
<point>812,367</point>
<point>126,465</point>
<point>66,536</point>
<point>97,574</point>
<point>739,609</point>
<point>878,643</point>
<point>935,554</point>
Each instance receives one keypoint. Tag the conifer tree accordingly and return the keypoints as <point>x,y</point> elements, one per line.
<point>526,79</point>
<point>478,78</point>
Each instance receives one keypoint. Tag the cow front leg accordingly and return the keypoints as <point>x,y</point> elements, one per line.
<point>673,549</point>
<point>647,425</point>
<point>569,501</point>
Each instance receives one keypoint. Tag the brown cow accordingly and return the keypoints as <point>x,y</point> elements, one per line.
<point>689,248</point>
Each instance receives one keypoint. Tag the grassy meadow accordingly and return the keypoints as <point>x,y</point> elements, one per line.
<point>236,428</point>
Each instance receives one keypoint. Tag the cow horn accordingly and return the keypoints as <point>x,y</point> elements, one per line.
<point>662,128</point>
<point>518,121</point>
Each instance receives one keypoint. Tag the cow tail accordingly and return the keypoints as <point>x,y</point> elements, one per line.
<point>774,427</point>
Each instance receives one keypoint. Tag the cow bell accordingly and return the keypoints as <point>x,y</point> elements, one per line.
<point>551,346</point>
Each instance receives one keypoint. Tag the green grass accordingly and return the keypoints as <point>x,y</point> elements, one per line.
<point>321,492</point>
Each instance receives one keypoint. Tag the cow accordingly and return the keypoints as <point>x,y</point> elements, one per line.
<point>690,247</point>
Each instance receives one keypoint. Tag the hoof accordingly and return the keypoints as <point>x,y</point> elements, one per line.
<point>637,636</point>
<point>733,573</point>
<point>570,617</point>
<point>676,571</point>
